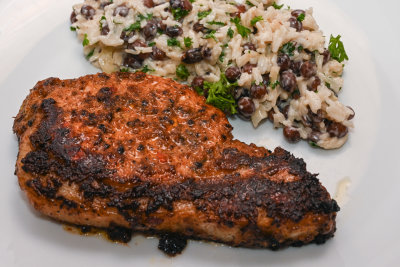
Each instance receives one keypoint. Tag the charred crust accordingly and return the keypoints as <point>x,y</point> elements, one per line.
<point>119,234</point>
<point>172,244</point>
<point>103,75</point>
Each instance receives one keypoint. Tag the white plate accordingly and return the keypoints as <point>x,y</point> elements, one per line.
<point>35,43</point>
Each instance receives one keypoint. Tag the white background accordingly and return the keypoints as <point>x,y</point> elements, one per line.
<point>35,43</point>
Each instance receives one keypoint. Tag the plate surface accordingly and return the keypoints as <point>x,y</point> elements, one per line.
<point>35,43</point>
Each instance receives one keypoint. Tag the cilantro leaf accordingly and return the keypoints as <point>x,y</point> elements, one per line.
<point>179,13</point>
<point>276,6</point>
<point>133,27</point>
<point>336,48</point>
<point>90,54</point>
<point>255,20</point>
<point>288,49</point>
<point>182,72</point>
<point>187,41</point>
<point>73,29</point>
<point>242,30</point>
<point>275,84</point>
<point>249,3</point>
<point>216,23</point>
<point>124,70</point>
<point>220,94</point>
<point>173,42</point>
<point>151,44</point>
<point>222,55</point>
<point>85,41</point>
<point>203,14</point>
<point>146,69</point>
<point>301,17</point>
<point>230,33</point>
<point>210,34</point>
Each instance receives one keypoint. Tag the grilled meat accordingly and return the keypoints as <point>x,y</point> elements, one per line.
<point>148,154</point>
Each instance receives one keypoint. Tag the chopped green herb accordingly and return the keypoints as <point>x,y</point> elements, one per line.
<point>300,48</point>
<point>249,3</point>
<point>242,30</point>
<point>275,84</point>
<point>276,6</point>
<point>255,20</point>
<point>179,13</point>
<point>124,70</point>
<point>134,27</point>
<point>85,41</point>
<point>328,85</point>
<point>230,33</point>
<point>173,42</point>
<point>336,48</point>
<point>187,41</point>
<point>288,49</point>
<point>210,34</point>
<point>100,22</point>
<point>220,95</point>
<point>301,17</point>
<point>147,17</point>
<point>192,1</point>
<point>72,28</point>
<point>146,69</point>
<point>222,55</point>
<point>151,44</point>
<point>182,72</point>
<point>313,144</point>
<point>90,54</point>
<point>216,23</point>
<point>203,14</point>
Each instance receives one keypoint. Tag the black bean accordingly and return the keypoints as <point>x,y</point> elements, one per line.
<point>249,46</point>
<point>126,35</point>
<point>296,94</point>
<point>283,62</point>
<point>314,84</point>
<point>88,12</point>
<point>265,78</point>
<point>139,43</point>
<point>314,136</point>
<point>291,134</point>
<point>240,92</point>
<point>175,3</point>
<point>316,117</point>
<point>297,12</point>
<point>173,31</point>
<point>148,3</point>
<point>105,30</point>
<point>258,91</point>
<point>285,111</point>
<point>206,52</point>
<point>294,23</point>
<point>186,5</point>
<point>246,107</point>
<point>288,81</point>
<point>198,27</point>
<point>240,9</point>
<point>232,73</point>
<point>182,4</point>
<point>198,82</point>
<point>295,67</point>
<point>132,61</point>
<point>150,30</point>
<point>157,54</point>
<point>308,69</point>
<point>271,115</point>
<point>336,129</point>
<point>351,116</point>
<point>121,10</point>
<point>327,56</point>
<point>73,18</point>
<point>193,55</point>
<point>248,68</point>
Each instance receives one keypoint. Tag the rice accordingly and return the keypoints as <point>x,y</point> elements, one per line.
<point>117,36</point>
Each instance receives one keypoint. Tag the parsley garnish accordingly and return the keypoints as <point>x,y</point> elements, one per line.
<point>230,33</point>
<point>249,3</point>
<point>187,41</point>
<point>85,41</point>
<point>203,14</point>
<point>301,17</point>
<point>275,84</point>
<point>124,70</point>
<point>146,69</point>
<point>216,23</point>
<point>220,95</point>
<point>313,144</point>
<point>182,72</point>
<point>151,44</point>
<point>210,34</point>
<point>134,27</point>
<point>300,48</point>
<point>173,42</point>
<point>179,13</point>
<point>288,49</point>
<point>336,48</point>
<point>90,54</point>
<point>222,55</point>
<point>73,28</point>
<point>192,1</point>
<point>242,30</point>
<point>147,17</point>
<point>255,20</point>
<point>276,6</point>
<point>100,22</point>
